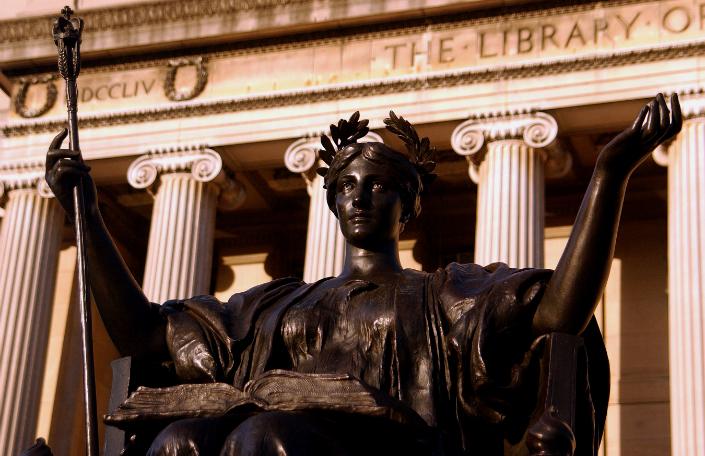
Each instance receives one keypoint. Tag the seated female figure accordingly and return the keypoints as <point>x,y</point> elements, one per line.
<point>427,363</point>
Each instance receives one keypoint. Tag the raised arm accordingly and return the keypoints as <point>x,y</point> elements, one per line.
<point>580,277</point>
<point>132,322</point>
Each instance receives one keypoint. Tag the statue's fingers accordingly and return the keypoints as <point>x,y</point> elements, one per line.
<point>54,155</point>
<point>71,167</point>
<point>58,139</point>
<point>70,172</point>
<point>665,117</point>
<point>676,115</point>
<point>676,120</point>
<point>639,121</point>
<point>652,122</point>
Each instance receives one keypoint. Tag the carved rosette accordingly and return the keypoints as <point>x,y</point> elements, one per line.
<point>204,165</point>
<point>20,97</point>
<point>201,79</point>
<point>537,130</point>
<point>24,175</point>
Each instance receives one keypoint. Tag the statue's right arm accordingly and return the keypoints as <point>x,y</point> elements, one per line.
<point>132,321</point>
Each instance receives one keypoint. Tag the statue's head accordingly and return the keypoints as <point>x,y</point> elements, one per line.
<point>370,186</point>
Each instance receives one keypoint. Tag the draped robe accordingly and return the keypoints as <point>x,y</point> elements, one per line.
<point>455,347</point>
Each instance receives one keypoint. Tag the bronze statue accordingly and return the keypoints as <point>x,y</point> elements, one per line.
<point>379,360</point>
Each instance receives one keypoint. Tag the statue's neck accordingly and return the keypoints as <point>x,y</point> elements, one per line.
<point>371,263</point>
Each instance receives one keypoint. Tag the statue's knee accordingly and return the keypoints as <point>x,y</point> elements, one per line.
<point>175,440</point>
<point>261,435</point>
<point>191,437</point>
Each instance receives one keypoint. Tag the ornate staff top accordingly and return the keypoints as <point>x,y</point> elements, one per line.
<point>67,37</point>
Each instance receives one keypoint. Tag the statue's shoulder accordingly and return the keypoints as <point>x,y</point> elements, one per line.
<point>277,286</point>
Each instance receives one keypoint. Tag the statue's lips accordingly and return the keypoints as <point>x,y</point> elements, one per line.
<point>360,218</point>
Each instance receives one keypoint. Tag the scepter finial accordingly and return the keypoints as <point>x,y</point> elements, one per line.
<point>66,11</point>
<point>67,37</point>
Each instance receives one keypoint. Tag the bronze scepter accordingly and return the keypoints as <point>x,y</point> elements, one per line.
<point>67,37</point>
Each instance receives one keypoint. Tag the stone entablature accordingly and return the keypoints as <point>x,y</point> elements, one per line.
<point>396,59</point>
<point>141,24</point>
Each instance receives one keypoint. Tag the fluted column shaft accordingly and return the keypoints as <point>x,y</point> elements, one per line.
<point>686,288</point>
<point>30,238</point>
<point>510,210</point>
<point>179,252</point>
<point>180,248</point>
<point>325,244</point>
<point>509,156</point>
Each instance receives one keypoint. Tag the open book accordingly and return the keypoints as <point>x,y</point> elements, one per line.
<point>274,390</point>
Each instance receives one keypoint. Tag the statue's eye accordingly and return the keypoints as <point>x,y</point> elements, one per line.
<point>379,187</point>
<point>346,186</point>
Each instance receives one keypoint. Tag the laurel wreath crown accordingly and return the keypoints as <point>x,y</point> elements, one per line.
<point>420,152</point>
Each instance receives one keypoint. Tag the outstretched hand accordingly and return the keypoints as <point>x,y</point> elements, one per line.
<point>653,126</point>
<point>64,170</point>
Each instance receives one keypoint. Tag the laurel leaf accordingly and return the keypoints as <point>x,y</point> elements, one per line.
<point>327,144</point>
<point>335,133</point>
<point>326,156</point>
<point>359,134</point>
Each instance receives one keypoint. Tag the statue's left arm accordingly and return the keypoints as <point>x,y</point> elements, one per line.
<point>577,284</point>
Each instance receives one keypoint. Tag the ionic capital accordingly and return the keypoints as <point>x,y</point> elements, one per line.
<point>204,165</point>
<point>24,175</point>
<point>301,157</point>
<point>537,130</point>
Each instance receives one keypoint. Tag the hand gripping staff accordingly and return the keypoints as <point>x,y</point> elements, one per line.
<point>67,37</point>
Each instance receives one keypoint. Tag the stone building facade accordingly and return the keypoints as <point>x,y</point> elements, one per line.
<point>200,120</point>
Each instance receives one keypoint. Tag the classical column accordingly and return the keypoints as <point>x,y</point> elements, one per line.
<point>30,239</point>
<point>191,184</point>
<point>325,245</point>
<point>685,158</point>
<point>508,157</point>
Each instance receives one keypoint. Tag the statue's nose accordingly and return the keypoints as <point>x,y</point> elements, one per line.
<point>360,199</point>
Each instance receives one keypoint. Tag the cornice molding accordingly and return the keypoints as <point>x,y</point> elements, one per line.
<point>365,88</point>
<point>374,31</point>
<point>13,31</point>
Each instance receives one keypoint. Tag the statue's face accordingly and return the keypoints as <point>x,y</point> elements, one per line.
<point>368,203</point>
